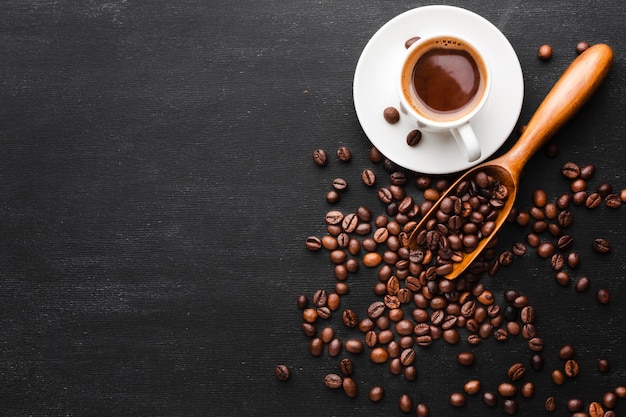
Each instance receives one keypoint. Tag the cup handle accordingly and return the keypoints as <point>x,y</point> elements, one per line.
<point>466,140</point>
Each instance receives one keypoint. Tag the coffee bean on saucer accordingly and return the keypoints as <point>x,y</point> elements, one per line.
<point>414,137</point>
<point>391,115</point>
<point>411,41</point>
<point>545,52</point>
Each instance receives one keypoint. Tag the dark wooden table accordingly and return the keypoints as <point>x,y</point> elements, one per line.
<point>157,186</point>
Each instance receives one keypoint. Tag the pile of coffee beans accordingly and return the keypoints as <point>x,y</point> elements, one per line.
<point>414,306</point>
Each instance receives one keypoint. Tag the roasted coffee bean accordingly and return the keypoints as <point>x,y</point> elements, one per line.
<point>579,198</point>
<point>320,298</point>
<point>550,404</point>
<point>376,394</point>
<point>405,403</point>
<point>574,405</point>
<point>372,259</point>
<point>507,389</point>
<point>422,410</point>
<point>537,362</point>
<point>596,410</point>
<point>490,398</point>
<point>375,155</point>
<point>505,258</point>
<point>545,52</point>
<point>319,157</point>
<point>558,377</point>
<point>571,368</point>
<point>309,315</point>
<point>593,200</point>
<point>557,261</point>
<point>395,366</point>
<point>527,314</point>
<point>573,260</point>
<point>457,399</point>
<point>328,334</point>
<point>316,346</point>
<point>379,355</point>
<point>349,318</point>
<point>613,201</point>
<point>601,245</point>
<point>333,381</point>
<point>603,296</point>
<point>313,243</point>
<point>368,177</point>
<point>466,358</point>
<point>566,352</point>
<point>570,170</point>
<point>581,47</point>
<point>303,301</point>
<point>545,249</point>
<point>578,185</point>
<point>583,284</point>
<point>535,344</point>
<point>344,154</point>
<point>282,372</point>
<point>346,366</point>
<point>472,387</point>
<point>603,365</point>
<point>323,312</point>
<point>414,137</point>
<point>350,387</point>
<point>516,371</point>
<point>391,115</point>
<point>565,218</point>
<point>528,389</point>
<point>308,329</point>
<point>609,400</point>
<point>354,346</point>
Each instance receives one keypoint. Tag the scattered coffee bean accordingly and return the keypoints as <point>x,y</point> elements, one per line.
<point>457,399</point>
<point>376,394</point>
<point>350,387</point>
<point>583,284</point>
<point>391,115</point>
<point>421,410</point>
<point>528,389</point>
<point>601,245</point>
<point>596,410</point>
<point>550,404</point>
<point>603,296</point>
<point>516,371</point>
<point>574,405</point>
<point>368,177</point>
<point>545,52</point>
<point>344,154</point>
<point>466,358</point>
<point>571,368</point>
<point>333,381</point>
<point>581,47</point>
<point>510,406</point>
<point>570,170</point>
<point>472,387</point>
<point>319,157</point>
<point>609,400</point>
<point>282,372</point>
<point>405,403</point>
<point>603,365</point>
<point>490,398</point>
<point>558,377</point>
<point>566,352</point>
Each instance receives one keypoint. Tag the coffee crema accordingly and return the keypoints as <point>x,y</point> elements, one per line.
<point>444,79</point>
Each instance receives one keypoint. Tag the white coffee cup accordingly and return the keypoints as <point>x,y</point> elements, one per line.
<point>443,83</point>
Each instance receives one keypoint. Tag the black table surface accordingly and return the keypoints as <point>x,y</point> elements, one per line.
<point>157,187</point>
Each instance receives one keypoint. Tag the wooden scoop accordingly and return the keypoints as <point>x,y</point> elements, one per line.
<point>568,95</point>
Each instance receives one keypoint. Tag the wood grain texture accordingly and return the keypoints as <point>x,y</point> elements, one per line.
<point>156,188</point>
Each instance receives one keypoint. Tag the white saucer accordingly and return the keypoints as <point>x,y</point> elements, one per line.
<point>375,88</point>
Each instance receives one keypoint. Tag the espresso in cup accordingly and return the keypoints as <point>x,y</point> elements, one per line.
<point>444,79</point>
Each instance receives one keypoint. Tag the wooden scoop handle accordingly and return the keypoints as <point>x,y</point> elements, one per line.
<point>571,91</point>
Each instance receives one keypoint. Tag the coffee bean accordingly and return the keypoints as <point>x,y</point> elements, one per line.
<point>472,387</point>
<point>566,352</point>
<point>535,344</point>
<point>350,387</point>
<point>557,261</point>
<point>545,249</point>
<point>466,358</point>
<point>603,365</point>
<point>316,346</point>
<point>609,400</point>
<point>313,243</point>
<point>490,398</point>
<point>527,314</point>
<point>334,217</point>
<point>368,177</point>
<point>601,245</point>
<point>405,403</point>
<point>593,200</point>
<point>320,298</point>
<point>333,381</point>
<point>583,284</point>
<point>537,362</point>
<point>391,115</point>
<point>457,399</point>
<point>507,389</point>
<point>349,318</point>
<point>309,315</point>
<point>282,372</point>
<point>573,260</point>
<point>596,410</point>
<point>570,170</point>
<point>421,410</point>
<point>571,368</point>
<point>323,312</point>
<point>562,278</point>
<point>414,137</point>
<point>578,185</point>
<point>319,157</point>
<point>328,334</point>
<point>308,329</point>
<point>354,346</point>
<point>550,404</point>
<point>603,296</point>
<point>581,47</point>
<point>340,184</point>
<point>344,154</point>
<point>558,377</point>
<point>372,259</point>
<point>510,406</point>
<point>528,389</point>
<point>613,201</point>
<point>379,355</point>
<point>346,366</point>
<point>516,371</point>
<point>574,405</point>
<point>376,394</point>
<point>604,189</point>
